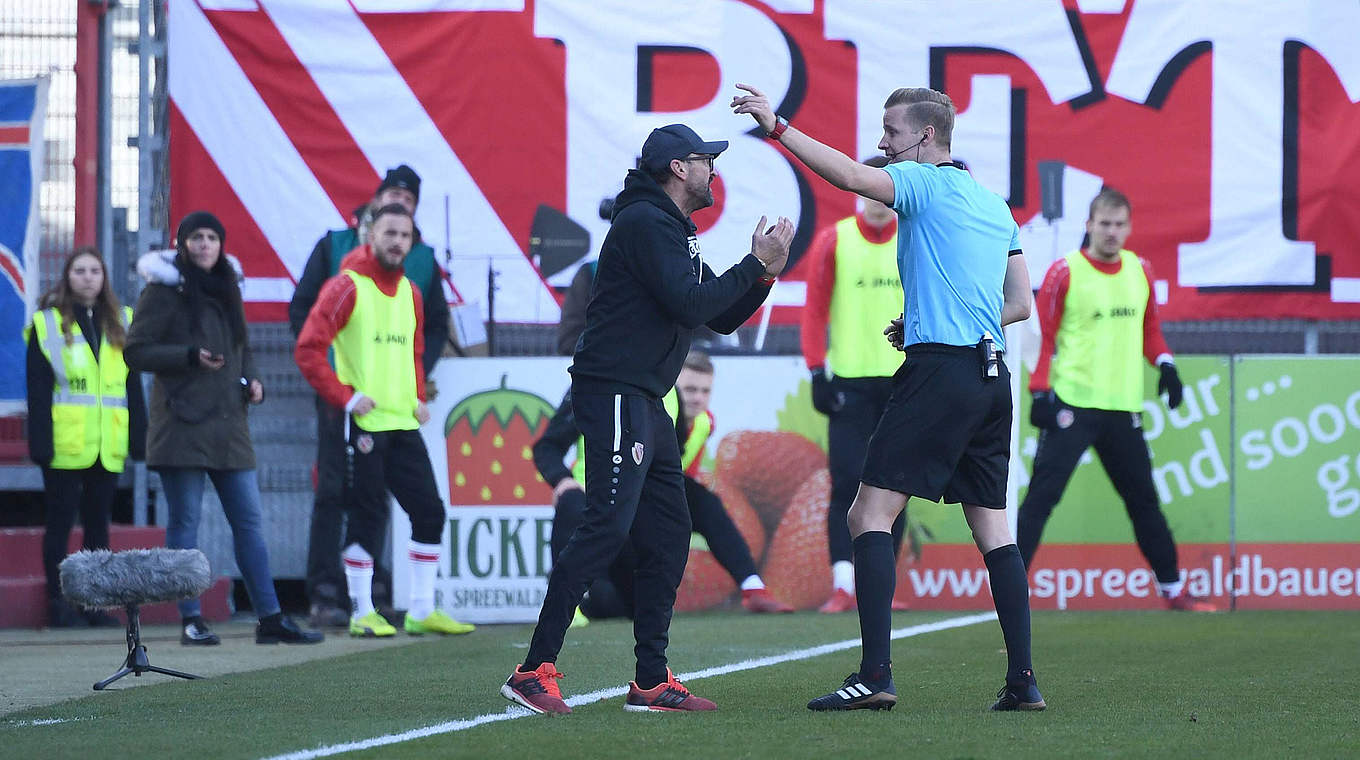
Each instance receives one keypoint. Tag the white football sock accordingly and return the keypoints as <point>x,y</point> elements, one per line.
<point>359,579</point>
<point>1170,590</point>
<point>843,576</point>
<point>751,582</point>
<point>424,560</point>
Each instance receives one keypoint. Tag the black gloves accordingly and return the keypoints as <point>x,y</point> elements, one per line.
<point>1043,410</point>
<point>1170,384</point>
<point>825,398</point>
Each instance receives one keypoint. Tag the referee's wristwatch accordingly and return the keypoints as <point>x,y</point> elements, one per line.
<point>780,125</point>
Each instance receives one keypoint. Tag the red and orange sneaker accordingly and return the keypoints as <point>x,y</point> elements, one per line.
<point>1184,602</point>
<point>536,689</point>
<point>668,696</point>
<point>840,601</point>
<point>761,600</point>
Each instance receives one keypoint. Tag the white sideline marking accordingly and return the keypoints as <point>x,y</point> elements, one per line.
<point>42,722</point>
<point>515,711</point>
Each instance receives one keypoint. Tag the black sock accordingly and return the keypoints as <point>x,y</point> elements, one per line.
<point>647,681</point>
<point>875,578</point>
<point>1010,592</point>
<point>529,666</point>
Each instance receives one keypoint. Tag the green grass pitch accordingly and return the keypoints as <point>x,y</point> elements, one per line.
<point>1118,684</point>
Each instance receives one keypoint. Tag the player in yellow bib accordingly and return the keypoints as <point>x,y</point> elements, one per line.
<point>1099,322</point>
<point>372,316</point>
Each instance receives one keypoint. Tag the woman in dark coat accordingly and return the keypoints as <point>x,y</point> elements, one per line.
<point>189,329</point>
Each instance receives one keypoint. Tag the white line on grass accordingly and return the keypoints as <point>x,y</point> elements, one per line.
<point>513,712</point>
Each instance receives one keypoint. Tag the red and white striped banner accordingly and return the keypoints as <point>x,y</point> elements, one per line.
<point>1236,135</point>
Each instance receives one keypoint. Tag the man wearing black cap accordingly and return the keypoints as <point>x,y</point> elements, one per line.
<point>652,289</point>
<point>400,186</point>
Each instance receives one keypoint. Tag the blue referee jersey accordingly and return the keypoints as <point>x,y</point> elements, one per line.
<point>953,239</point>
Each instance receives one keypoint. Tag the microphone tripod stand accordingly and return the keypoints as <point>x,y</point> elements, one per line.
<point>137,663</point>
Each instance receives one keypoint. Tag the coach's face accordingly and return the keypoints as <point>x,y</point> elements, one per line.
<point>699,174</point>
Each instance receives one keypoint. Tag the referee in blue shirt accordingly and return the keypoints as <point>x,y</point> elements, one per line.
<point>945,432</point>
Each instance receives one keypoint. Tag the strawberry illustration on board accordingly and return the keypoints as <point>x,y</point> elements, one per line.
<point>489,438</point>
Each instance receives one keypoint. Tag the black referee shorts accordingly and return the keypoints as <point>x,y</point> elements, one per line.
<point>946,432</point>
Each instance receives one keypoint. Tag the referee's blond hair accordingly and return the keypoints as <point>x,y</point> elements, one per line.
<point>926,107</point>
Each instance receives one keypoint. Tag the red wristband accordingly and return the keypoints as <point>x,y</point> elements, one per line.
<point>780,125</point>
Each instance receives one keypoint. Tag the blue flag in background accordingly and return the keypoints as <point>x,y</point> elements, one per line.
<point>23,103</point>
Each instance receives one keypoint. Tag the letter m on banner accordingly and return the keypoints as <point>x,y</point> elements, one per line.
<point>23,103</point>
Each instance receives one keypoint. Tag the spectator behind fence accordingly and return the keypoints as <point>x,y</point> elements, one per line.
<point>190,330</point>
<point>86,415</point>
<point>400,186</point>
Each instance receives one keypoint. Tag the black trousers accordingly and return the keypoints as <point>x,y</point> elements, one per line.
<point>635,493</point>
<point>325,577</point>
<point>395,461</point>
<point>1118,440</point>
<point>709,519</point>
<point>848,431</point>
<point>65,492</point>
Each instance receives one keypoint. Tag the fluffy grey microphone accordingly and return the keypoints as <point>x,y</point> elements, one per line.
<point>103,578</point>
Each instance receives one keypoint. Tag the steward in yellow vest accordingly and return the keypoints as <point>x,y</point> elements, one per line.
<point>853,290</point>
<point>86,415</point>
<point>373,318</point>
<point>90,416</point>
<point>1098,316</point>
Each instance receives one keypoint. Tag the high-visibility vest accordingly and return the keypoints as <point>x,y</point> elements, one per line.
<point>1098,361</point>
<point>690,458</point>
<point>866,295</point>
<point>89,397</point>
<point>374,354</point>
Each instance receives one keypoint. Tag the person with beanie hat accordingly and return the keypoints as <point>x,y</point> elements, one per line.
<point>325,579</point>
<point>189,330</point>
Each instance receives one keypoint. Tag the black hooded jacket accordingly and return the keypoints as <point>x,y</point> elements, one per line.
<point>651,290</point>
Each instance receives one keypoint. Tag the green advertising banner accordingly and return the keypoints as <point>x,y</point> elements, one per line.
<point>1257,472</point>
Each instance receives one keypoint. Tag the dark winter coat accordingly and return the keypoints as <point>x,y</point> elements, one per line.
<point>652,289</point>
<point>197,416</point>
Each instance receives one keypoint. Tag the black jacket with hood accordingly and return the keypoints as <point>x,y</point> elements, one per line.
<point>652,289</point>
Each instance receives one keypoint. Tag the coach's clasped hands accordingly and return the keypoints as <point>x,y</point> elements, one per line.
<point>772,245</point>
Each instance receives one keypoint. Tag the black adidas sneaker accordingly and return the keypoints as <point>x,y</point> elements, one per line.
<point>1022,696</point>
<point>856,694</point>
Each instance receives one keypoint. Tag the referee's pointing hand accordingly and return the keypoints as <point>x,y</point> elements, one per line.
<point>772,245</point>
<point>755,104</point>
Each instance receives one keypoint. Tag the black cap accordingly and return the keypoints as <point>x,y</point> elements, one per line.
<point>403,177</point>
<point>675,141</point>
<point>198,220</point>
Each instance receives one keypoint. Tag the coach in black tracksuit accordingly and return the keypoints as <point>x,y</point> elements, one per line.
<point>651,290</point>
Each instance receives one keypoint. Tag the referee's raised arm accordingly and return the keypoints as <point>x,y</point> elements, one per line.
<point>830,164</point>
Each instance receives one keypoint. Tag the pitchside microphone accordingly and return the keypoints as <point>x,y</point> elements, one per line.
<point>108,579</point>
<point>129,579</point>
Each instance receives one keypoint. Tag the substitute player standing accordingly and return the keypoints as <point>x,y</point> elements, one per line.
<point>372,315</point>
<point>1099,321</point>
<point>946,429</point>
<point>652,289</point>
